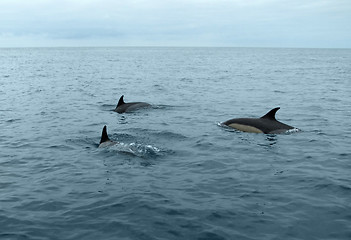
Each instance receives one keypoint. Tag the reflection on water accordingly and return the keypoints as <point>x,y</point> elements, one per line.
<point>272,139</point>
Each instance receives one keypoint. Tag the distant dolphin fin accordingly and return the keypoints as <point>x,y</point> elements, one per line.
<point>104,137</point>
<point>271,114</point>
<point>121,101</point>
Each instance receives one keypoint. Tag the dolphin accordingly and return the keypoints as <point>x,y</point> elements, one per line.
<point>266,124</point>
<point>105,141</point>
<point>128,107</point>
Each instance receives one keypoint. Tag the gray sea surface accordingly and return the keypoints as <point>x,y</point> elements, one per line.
<point>177,172</point>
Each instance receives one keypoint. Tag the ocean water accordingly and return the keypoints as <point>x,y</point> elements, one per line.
<point>177,173</point>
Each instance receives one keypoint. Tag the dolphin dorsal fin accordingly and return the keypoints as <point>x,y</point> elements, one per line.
<point>104,137</point>
<point>121,101</point>
<point>271,114</point>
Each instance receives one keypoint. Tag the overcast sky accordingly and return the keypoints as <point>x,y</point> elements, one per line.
<point>236,23</point>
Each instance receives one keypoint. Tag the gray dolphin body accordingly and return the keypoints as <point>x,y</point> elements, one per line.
<point>105,141</point>
<point>265,124</point>
<point>129,107</point>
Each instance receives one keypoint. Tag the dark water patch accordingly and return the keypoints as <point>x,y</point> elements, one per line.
<point>210,236</point>
<point>40,207</point>
<point>85,143</point>
<point>25,144</point>
<point>15,235</point>
<point>334,188</point>
<point>345,155</point>
<point>61,147</point>
<point>13,120</point>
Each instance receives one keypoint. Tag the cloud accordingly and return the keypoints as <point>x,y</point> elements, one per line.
<point>191,22</point>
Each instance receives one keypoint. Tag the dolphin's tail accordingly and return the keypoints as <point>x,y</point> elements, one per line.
<point>104,137</point>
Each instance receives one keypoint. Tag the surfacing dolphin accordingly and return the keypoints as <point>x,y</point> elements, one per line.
<point>105,141</point>
<point>129,107</point>
<point>265,124</point>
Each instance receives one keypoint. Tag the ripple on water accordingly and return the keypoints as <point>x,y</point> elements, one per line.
<point>204,181</point>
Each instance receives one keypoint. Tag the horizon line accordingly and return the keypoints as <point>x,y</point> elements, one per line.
<point>170,46</point>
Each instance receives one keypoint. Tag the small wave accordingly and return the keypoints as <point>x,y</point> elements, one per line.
<point>136,149</point>
<point>108,107</point>
<point>13,120</point>
<point>161,106</point>
<point>60,147</point>
<point>158,134</point>
<point>294,130</point>
<point>14,235</point>
<point>83,143</point>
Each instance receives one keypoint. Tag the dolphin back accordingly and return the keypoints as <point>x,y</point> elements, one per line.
<point>265,124</point>
<point>129,107</point>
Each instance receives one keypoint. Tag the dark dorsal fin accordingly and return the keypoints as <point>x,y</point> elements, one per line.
<point>271,114</point>
<point>104,137</point>
<point>121,101</point>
